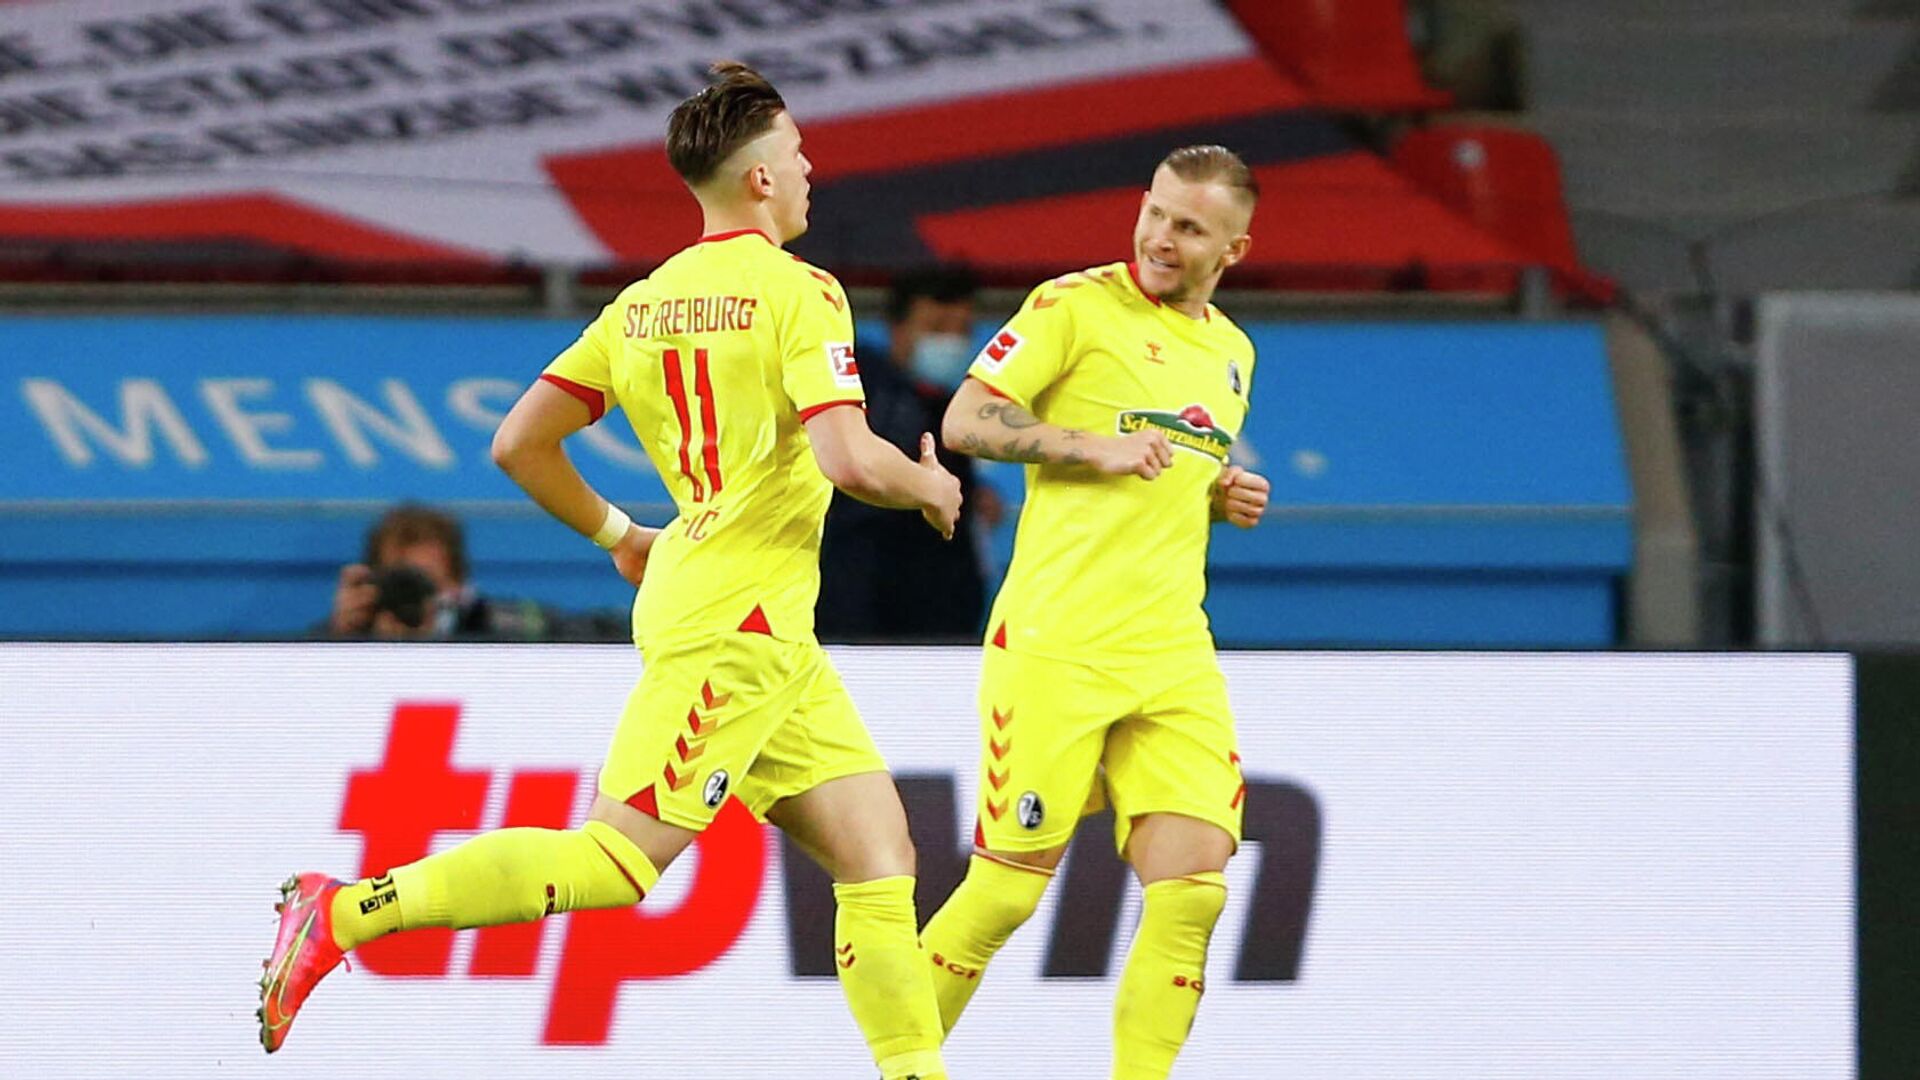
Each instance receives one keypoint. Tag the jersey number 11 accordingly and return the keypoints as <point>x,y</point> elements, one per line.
<point>709,423</point>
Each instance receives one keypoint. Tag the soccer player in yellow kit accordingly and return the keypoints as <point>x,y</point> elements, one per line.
<point>1122,389</point>
<point>734,364</point>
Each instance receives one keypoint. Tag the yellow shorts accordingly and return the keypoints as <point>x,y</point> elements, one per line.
<point>738,714</point>
<point>1161,732</point>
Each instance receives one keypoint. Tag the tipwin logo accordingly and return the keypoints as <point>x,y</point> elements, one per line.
<point>415,793</point>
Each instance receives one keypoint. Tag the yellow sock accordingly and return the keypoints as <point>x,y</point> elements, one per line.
<point>1166,972</point>
<point>508,876</point>
<point>885,977</point>
<point>989,905</point>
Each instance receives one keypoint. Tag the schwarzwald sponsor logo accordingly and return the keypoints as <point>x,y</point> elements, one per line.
<point>1192,428</point>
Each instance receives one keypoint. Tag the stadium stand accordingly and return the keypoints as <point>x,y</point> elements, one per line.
<point>960,174</point>
<point>974,180</point>
<point>1350,56</point>
<point>1779,134</point>
<point>1507,182</point>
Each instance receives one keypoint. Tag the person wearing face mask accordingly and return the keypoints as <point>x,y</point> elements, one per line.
<point>880,581</point>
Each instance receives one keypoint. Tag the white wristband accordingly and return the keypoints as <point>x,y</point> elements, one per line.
<point>612,529</point>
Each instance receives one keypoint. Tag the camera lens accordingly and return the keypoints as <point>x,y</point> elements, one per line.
<point>406,592</point>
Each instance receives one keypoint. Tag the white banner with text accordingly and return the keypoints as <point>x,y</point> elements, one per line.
<point>1458,866</point>
<point>441,127</point>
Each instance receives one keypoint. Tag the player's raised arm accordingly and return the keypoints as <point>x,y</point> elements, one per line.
<point>870,469</point>
<point>983,424</point>
<point>527,448</point>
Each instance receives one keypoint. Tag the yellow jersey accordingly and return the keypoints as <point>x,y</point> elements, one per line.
<point>1114,567</point>
<point>718,359</point>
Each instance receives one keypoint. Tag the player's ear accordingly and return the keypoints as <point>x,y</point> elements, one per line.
<point>760,180</point>
<point>1237,249</point>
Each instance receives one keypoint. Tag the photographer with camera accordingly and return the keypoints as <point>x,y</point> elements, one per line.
<point>412,583</point>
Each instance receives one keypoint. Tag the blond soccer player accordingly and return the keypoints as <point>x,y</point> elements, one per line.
<point>1122,389</point>
<point>734,364</point>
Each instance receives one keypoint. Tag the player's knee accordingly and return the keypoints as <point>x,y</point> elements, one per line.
<point>1193,901</point>
<point>883,856</point>
<point>1012,910</point>
<point>1004,895</point>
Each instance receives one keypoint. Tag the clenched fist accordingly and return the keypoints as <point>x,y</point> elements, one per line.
<point>1240,497</point>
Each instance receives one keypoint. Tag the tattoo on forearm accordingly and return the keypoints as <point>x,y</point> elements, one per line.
<point>1027,454</point>
<point>1008,414</point>
<point>1030,451</point>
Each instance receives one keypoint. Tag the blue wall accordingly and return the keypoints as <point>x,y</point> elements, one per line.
<point>1434,484</point>
<point>1445,484</point>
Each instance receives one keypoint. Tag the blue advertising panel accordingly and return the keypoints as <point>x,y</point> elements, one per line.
<point>278,409</point>
<point>1444,483</point>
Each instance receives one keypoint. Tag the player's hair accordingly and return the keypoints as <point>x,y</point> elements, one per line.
<point>704,130</point>
<point>1216,164</point>
<point>946,283</point>
<point>412,523</point>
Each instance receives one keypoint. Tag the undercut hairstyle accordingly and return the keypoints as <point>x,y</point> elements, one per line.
<point>411,523</point>
<point>1214,164</point>
<point>738,107</point>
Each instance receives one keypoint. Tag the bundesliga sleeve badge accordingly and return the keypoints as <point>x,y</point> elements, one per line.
<point>1000,350</point>
<point>846,371</point>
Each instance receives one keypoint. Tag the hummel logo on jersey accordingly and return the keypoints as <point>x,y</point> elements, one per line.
<point>1233,376</point>
<point>1001,349</point>
<point>1153,352</point>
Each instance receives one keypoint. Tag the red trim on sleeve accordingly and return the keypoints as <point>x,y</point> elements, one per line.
<point>714,238</point>
<point>813,411</point>
<point>991,389</point>
<point>594,400</point>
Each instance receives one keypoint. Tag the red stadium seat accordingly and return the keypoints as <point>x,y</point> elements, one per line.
<point>1350,54</point>
<point>1505,181</point>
